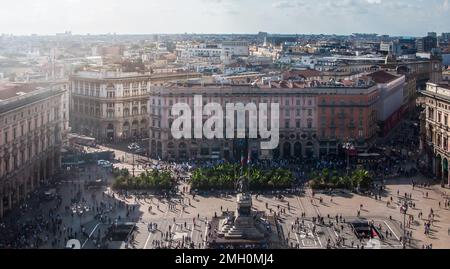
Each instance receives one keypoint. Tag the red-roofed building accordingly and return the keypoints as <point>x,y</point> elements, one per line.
<point>347,115</point>
<point>307,74</point>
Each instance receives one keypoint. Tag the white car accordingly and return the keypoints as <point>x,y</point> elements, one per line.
<point>104,164</point>
<point>134,147</point>
<point>107,164</point>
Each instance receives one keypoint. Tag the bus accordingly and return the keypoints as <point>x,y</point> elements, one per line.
<point>81,140</point>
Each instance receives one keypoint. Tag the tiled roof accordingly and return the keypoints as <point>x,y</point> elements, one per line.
<point>301,73</point>
<point>4,108</point>
<point>9,90</point>
<point>382,77</point>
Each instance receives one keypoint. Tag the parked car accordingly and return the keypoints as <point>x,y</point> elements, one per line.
<point>95,184</point>
<point>49,195</point>
<point>104,164</point>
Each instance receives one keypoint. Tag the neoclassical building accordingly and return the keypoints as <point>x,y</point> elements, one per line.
<point>305,130</point>
<point>297,122</point>
<point>112,106</point>
<point>33,124</point>
<point>436,137</point>
<point>108,105</point>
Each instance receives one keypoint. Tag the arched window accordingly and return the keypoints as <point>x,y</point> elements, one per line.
<point>126,112</point>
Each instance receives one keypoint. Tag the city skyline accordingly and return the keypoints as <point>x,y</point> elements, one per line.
<point>224,124</point>
<point>398,18</point>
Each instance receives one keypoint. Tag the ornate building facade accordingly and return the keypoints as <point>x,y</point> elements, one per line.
<point>33,124</point>
<point>112,106</point>
<point>435,140</point>
<point>305,120</point>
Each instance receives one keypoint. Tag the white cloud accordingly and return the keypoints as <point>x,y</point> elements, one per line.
<point>283,4</point>
<point>373,1</point>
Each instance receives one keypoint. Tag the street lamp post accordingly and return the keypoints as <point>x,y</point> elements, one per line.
<point>348,162</point>
<point>133,164</point>
<point>404,210</point>
<point>81,223</point>
<point>133,147</point>
<point>348,146</point>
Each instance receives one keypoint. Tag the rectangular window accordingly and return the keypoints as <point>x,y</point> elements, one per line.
<point>6,165</point>
<point>333,133</point>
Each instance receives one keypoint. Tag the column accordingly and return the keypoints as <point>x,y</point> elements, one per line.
<point>1,206</point>
<point>448,179</point>
<point>9,201</point>
<point>32,174</point>
<point>436,166</point>
<point>44,171</point>
<point>40,171</point>
<point>164,150</point>
<point>51,165</point>
<point>442,170</point>
<point>17,195</point>
<point>58,160</point>
<point>25,187</point>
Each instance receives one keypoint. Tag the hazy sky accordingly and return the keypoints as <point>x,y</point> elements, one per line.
<point>395,17</point>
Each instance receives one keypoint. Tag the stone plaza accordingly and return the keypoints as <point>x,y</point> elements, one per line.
<point>305,219</point>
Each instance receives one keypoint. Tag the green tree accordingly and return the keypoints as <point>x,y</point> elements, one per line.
<point>361,178</point>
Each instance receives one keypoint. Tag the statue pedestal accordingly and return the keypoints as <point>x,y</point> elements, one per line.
<point>243,226</point>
